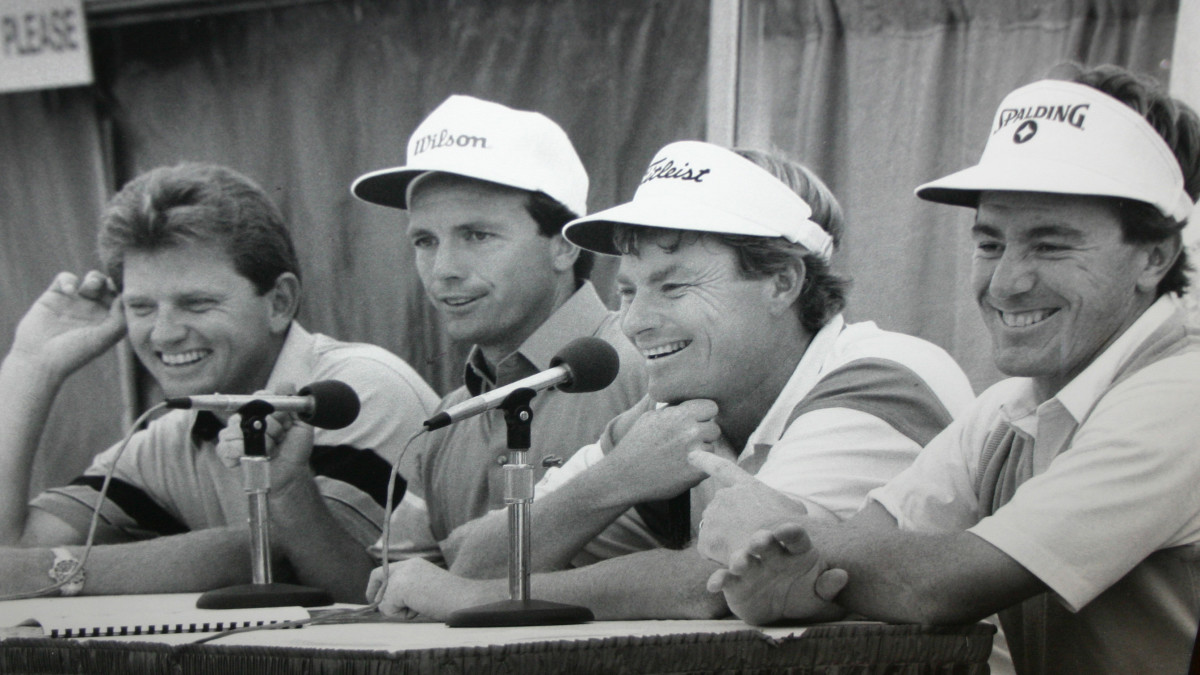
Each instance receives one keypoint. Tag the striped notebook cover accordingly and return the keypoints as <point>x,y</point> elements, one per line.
<point>115,615</point>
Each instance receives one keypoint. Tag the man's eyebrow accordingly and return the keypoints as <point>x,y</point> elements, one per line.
<point>664,274</point>
<point>1059,231</point>
<point>985,230</point>
<point>1039,232</point>
<point>655,278</point>
<point>201,294</point>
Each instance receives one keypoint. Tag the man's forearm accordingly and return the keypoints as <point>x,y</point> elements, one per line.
<point>655,584</point>
<point>921,578</point>
<point>196,561</point>
<point>27,392</point>
<point>561,524</point>
<point>320,552</point>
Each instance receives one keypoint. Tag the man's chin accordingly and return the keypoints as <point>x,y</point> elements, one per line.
<point>173,387</point>
<point>1018,366</point>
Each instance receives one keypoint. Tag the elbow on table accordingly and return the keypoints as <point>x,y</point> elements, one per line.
<point>706,605</point>
<point>930,603</point>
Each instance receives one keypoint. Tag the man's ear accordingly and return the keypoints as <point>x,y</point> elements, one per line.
<point>1160,257</point>
<point>785,287</point>
<point>563,253</point>
<point>285,301</point>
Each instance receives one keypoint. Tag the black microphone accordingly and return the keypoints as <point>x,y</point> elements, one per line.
<point>329,404</point>
<point>586,364</point>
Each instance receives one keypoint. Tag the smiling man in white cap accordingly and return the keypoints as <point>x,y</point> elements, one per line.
<point>488,190</point>
<point>727,292</point>
<point>1066,496</point>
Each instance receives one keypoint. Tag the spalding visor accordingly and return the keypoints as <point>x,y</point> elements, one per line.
<point>1068,138</point>
<point>691,185</point>
<point>480,139</point>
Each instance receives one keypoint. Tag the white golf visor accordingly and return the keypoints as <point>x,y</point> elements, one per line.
<point>1068,138</point>
<point>691,185</point>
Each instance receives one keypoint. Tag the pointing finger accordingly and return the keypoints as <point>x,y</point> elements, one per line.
<point>726,472</point>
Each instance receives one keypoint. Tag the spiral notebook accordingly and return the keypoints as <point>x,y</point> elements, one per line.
<point>114,615</point>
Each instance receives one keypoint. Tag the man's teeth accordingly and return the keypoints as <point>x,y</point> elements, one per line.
<point>183,358</point>
<point>665,350</point>
<point>1023,319</point>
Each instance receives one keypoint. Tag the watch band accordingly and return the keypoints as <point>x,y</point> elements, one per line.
<point>66,566</point>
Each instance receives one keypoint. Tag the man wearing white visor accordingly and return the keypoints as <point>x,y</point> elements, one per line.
<point>726,291</point>
<point>487,190</point>
<point>1066,496</point>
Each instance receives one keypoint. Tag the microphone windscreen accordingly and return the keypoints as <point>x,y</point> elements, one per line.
<point>335,405</point>
<point>593,364</point>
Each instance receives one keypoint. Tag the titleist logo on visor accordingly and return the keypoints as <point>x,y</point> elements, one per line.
<point>1073,115</point>
<point>666,168</point>
<point>445,139</point>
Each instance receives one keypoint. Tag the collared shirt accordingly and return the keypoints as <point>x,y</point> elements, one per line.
<point>1096,496</point>
<point>459,474</point>
<point>170,479</point>
<point>856,410</point>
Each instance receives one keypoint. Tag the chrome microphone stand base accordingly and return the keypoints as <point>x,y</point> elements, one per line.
<point>263,592</point>
<point>520,610</point>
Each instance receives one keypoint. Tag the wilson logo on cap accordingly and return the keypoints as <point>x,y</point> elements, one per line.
<point>447,139</point>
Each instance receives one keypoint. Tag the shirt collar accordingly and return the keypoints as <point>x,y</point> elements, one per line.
<point>1081,393</point>
<point>581,315</point>
<point>294,363</point>
<point>807,373</point>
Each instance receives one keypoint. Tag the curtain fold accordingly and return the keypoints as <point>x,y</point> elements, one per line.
<point>51,188</point>
<point>307,98</point>
<point>880,97</point>
<point>877,97</point>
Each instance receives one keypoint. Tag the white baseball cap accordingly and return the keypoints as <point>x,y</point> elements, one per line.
<point>480,139</point>
<point>691,185</point>
<point>1068,138</point>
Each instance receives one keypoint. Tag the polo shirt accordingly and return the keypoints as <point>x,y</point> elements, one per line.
<point>170,480</point>
<point>1094,491</point>
<point>857,409</point>
<point>459,474</point>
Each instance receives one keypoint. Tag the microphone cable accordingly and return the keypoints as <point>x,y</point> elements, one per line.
<point>342,615</point>
<point>95,520</point>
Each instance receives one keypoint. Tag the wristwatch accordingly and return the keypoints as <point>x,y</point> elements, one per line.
<point>66,566</point>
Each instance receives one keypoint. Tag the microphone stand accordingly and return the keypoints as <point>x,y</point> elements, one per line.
<point>256,477</point>
<point>520,610</point>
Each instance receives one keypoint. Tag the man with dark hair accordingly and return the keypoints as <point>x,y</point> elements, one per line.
<point>202,279</point>
<point>488,190</point>
<point>727,293</point>
<point>1066,497</point>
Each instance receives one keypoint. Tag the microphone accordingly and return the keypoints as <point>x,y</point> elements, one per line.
<point>585,364</point>
<point>329,404</point>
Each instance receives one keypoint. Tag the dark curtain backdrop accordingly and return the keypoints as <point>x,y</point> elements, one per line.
<point>304,99</point>
<point>879,97</point>
<point>876,96</point>
<point>308,98</point>
<point>52,184</point>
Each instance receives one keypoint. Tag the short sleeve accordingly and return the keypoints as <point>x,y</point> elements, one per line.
<point>1125,488</point>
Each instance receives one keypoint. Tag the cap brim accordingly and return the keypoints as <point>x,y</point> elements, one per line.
<point>1035,175</point>
<point>386,187</point>
<point>595,232</point>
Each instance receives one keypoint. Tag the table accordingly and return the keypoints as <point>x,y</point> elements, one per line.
<point>378,648</point>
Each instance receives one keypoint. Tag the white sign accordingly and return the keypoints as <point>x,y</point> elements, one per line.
<point>43,44</point>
